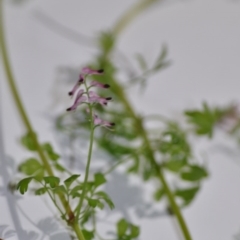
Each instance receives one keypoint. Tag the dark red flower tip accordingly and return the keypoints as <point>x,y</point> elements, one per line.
<point>69,109</point>
<point>112,124</point>
<point>70,93</point>
<point>100,71</point>
<point>108,98</point>
<point>106,86</point>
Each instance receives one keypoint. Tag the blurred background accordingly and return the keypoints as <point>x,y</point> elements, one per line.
<point>203,39</point>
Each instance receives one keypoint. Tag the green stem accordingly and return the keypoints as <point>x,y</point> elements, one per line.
<point>24,117</point>
<point>89,157</point>
<point>133,12</point>
<point>138,123</point>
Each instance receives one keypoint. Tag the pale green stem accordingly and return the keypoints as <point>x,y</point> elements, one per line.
<point>132,13</point>
<point>24,117</point>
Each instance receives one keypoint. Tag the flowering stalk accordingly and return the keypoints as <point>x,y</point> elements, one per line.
<point>89,156</point>
<point>90,99</point>
<point>27,122</point>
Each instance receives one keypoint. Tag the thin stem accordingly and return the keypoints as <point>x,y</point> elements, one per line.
<point>89,155</point>
<point>133,12</point>
<point>24,117</point>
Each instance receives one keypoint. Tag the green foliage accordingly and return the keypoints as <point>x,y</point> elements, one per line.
<point>68,182</point>
<point>22,186</point>
<point>74,192</point>
<point>32,167</point>
<point>59,167</point>
<point>89,235</point>
<point>99,179</point>
<point>60,189</point>
<point>187,195</point>
<point>175,165</point>
<point>126,230</point>
<point>47,147</point>
<point>41,191</point>
<point>52,181</point>
<point>28,142</point>
<point>102,195</point>
<point>93,202</point>
<point>106,41</point>
<point>194,173</point>
<point>161,61</point>
<point>206,119</point>
<point>174,144</point>
<point>122,227</point>
<point>159,194</point>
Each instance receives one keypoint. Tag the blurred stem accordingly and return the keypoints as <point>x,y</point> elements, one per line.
<point>121,24</point>
<point>149,153</point>
<point>25,119</point>
<point>129,15</point>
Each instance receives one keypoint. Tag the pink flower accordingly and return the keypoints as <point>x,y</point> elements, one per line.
<point>85,71</point>
<point>99,121</point>
<point>89,71</point>
<point>76,86</point>
<point>93,97</point>
<point>98,84</point>
<point>79,99</point>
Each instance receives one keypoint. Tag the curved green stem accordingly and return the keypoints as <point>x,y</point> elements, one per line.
<point>138,124</point>
<point>24,117</point>
<point>133,12</point>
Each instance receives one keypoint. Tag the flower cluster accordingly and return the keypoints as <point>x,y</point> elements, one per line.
<point>90,97</point>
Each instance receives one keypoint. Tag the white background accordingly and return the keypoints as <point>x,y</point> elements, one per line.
<point>203,37</point>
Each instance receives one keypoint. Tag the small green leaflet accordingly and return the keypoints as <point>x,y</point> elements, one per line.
<point>32,167</point>
<point>40,191</point>
<point>47,147</point>
<point>99,179</point>
<point>70,180</point>
<point>122,227</point>
<point>52,181</point>
<point>23,185</point>
<point>106,198</point>
<point>28,142</point>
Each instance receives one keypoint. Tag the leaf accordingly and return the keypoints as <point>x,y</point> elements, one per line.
<point>161,61</point>
<point>175,165</point>
<point>135,231</point>
<point>50,152</point>
<point>194,173</point>
<point>93,202</point>
<point>106,198</point>
<point>187,194</point>
<point>59,167</point>
<point>99,179</point>
<point>28,142</point>
<point>100,205</point>
<point>60,189</point>
<point>89,235</point>
<point>52,181</point>
<point>70,180</point>
<point>205,120</point>
<point>159,194</point>
<point>40,191</point>
<point>23,185</point>
<point>122,226</point>
<point>32,167</point>
<point>74,192</point>
<point>141,61</point>
<point>86,216</point>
